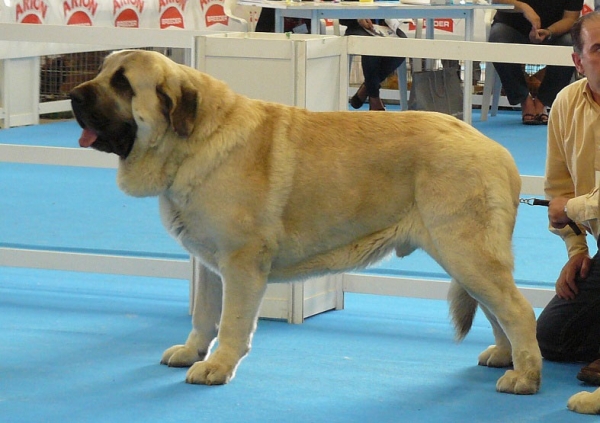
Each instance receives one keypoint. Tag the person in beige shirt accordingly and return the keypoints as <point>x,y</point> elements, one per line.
<point>569,326</point>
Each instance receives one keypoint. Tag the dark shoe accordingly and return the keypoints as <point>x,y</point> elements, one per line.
<point>376,104</point>
<point>590,373</point>
<point>542,118</point>
<point>359,98</point>
<point>529,119</point>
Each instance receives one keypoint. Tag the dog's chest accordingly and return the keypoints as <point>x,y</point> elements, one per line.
<point>176,221</point>
<point>181,226</point>
<point>171,215</point>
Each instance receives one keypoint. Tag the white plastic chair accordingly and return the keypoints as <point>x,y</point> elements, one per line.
<point>492,86</point>
<point>228,8</point>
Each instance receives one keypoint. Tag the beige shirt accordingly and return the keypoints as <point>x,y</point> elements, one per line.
<point>573,161</point>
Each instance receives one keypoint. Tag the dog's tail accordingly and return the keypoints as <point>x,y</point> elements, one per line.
<point>462,309</point>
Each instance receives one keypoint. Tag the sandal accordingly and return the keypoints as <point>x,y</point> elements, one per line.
<point>530,119</point>
<point>542,118</point>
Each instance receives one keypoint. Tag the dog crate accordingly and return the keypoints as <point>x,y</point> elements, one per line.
<point>302,70</point>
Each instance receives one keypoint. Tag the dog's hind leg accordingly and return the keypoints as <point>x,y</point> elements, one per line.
<point>462,309</point>
<point>206,314</point>
<point>490,282</point>
<point>499,354</point>
<point>482,266</point>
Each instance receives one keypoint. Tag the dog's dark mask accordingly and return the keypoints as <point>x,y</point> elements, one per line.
<point>104,127</point>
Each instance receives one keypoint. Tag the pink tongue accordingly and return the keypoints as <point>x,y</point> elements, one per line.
<point>87,138</point>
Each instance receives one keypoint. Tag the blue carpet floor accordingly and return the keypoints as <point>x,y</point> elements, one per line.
<point>77,347</point>
<point>85,348</point>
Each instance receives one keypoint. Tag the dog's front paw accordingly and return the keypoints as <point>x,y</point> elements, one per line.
<point>209,373</point>
<point>585,402</point>
<point>181,356</point>
<point>495,356</point>
<point>523,383</point>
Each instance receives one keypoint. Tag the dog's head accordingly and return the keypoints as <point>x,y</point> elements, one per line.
<point>137,97</point>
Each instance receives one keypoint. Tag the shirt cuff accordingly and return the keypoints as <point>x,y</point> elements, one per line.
<point>583,208</point>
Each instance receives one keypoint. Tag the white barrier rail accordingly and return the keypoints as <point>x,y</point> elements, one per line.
<point>96,263</point>
<point>461,50</point>
<point>33,40</point>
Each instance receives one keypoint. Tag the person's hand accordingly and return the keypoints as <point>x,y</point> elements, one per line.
<point>578,265</point>
<point>556,212</point>
<point>535,36</point>
<point>538,36</point>
<point>366,24</point>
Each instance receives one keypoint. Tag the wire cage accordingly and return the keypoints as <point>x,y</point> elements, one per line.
<point>61,73</point>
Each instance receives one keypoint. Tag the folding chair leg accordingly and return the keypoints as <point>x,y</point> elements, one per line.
<point>403,86</point>
<point>496,94</point>
<point>488,88</point>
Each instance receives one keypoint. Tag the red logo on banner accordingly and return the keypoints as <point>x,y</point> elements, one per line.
<point>80,12</point>
<point>586,9</point>
<point>215,15</point>
<point>171,17</point>
<point>441,24</point>
<point>127,13</point>
<point>31,19</point>
<point>80,18</point>
<point>122,4</point>
<point>128,18</point>
<point>163,4</point>
<point>34,10</point>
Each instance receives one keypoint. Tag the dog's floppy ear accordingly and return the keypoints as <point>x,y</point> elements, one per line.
<point>179,105</point>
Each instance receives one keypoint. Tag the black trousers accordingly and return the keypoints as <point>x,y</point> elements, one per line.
<point>569,330</point>
<point>375,68</point>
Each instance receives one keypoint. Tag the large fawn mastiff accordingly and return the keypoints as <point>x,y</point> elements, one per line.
<point>262,192</point>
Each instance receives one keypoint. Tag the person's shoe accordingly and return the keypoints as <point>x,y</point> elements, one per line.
<point>530,119</point>
<point>359,98</point>
<point>590,373</point>
<point>376,104</point>
<point>542,118</point>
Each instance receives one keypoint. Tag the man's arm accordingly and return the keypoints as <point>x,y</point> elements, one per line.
<point>558,28</point>
<point>525,9</point>
<point>559,184</point>
<point>559,188</point>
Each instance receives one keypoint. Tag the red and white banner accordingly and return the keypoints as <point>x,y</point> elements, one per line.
<point>164,14</point>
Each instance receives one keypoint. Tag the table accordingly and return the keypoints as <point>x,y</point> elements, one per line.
<point>379,10</point>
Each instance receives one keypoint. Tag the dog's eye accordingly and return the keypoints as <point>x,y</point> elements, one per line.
<point>120,82</point>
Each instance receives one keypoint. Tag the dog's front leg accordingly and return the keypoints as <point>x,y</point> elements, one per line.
<point>244,286</point>
<point>206,314</point>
